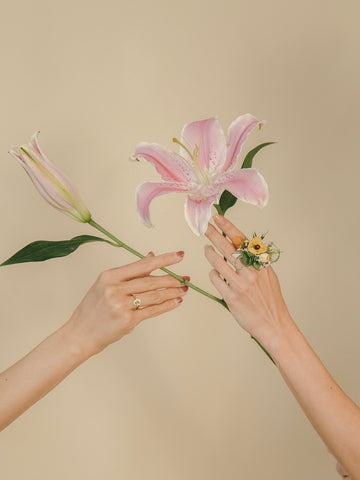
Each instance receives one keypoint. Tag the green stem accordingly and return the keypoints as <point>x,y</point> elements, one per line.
<point>169,272</point>
<point>263,349</point>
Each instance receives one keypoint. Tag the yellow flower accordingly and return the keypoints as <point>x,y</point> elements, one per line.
<point>257,246</point>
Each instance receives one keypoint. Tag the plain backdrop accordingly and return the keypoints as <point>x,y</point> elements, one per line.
<point>188,395</point>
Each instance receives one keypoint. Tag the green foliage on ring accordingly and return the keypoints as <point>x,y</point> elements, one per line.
<point>227,199</point>
<point>41,250</point>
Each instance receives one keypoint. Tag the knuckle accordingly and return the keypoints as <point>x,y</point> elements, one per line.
<point>109,293</point>
<point>213,274</point>
<point>242,286</point>
<point>157,297</point>
<point>252,277</point>
<point>115,308</point>
<point>104,277</point>
<point>218,262</point>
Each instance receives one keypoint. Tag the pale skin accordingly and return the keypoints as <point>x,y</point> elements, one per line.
<point>256,302</point>
<point>104,316</point>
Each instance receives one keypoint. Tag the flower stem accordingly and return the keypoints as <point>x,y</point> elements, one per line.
<point>169,272</point>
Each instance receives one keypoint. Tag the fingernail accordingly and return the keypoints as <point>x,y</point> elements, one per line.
<point>185,288</point>
<point>180,253</point>
<point>186,278</point>
<point>178,300</point>
<point>219,218</point>
<point>150,254</point>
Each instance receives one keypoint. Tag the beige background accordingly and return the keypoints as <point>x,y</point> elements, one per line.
<point>189,395</point>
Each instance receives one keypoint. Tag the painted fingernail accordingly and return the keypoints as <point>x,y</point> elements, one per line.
<point>185,288</point>
<point>180,253</point>
<point>178,300</point>
<point>219,218</point>
<point>186,278</point>
<point>150,254</point>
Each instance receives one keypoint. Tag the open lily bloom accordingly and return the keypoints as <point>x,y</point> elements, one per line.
<point>203,168</point>
<point>51,183</point>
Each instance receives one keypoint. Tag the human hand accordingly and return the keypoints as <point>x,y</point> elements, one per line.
<point>107,312</point>
<point>253,297</point>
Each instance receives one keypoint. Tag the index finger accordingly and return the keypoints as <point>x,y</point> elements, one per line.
<point>227,227</point>
<point>145,266</point>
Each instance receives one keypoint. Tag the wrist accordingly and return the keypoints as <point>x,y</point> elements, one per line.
<point>279,336</point>
<point>75,345</point>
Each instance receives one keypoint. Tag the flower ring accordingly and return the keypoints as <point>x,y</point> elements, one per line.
<point>136,302</point>
<point>254,252</point>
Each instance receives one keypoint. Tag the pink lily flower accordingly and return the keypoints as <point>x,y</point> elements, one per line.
<point>51,183</point>
<point>203,168</point>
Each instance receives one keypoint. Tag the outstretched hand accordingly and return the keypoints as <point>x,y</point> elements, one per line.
<point>253,297</point>
<point>107,312</point>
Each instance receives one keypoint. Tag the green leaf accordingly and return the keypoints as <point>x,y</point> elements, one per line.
<point>227,200</point>
<point>247,163</point>
<point>245,260</point>
<point>218,208</point>
<point>44,250</point>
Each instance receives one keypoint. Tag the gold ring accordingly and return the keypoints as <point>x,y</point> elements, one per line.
<point>136,302</point>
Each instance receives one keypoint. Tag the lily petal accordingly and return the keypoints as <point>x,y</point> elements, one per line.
<point>170,165</point>
<point>237,134</point>
<point>247,185</point>
<point>209,137</point>
<point>52,183</point>
<point>146,192</point>
<point>198,212</point>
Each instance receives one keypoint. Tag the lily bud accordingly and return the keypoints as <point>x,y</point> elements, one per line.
<point>51,183</point>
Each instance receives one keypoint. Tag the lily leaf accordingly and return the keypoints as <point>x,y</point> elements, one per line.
<point>227,199</point>
<point>45,249</point>
<point>247,163</point>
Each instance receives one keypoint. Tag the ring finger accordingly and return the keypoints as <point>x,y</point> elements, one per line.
<point>227,249</point>
<point>154,297</point>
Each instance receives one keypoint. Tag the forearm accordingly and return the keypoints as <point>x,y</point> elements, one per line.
<point>333,414</point>
<point>37,373</point>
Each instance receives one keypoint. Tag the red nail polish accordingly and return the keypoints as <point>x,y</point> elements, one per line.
<point>185,288</point>
<point>186,278</point>
<point>180,254</point>
<point>178,299</point>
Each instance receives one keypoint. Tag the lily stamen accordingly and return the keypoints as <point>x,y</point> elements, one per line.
<point>175,140</point>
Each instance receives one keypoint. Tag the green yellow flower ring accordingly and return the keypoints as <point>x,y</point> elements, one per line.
<point>254,252</point>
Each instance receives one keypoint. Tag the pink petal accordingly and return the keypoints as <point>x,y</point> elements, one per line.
<point>34,149</point>
<point>52,183</point>
<point>247,185</point>
<point>209,136</point>
<point>51,195</point>
<point>198,212</point>
<point>146,192</point>
<point>170,165</point>
<point>237,134</point>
